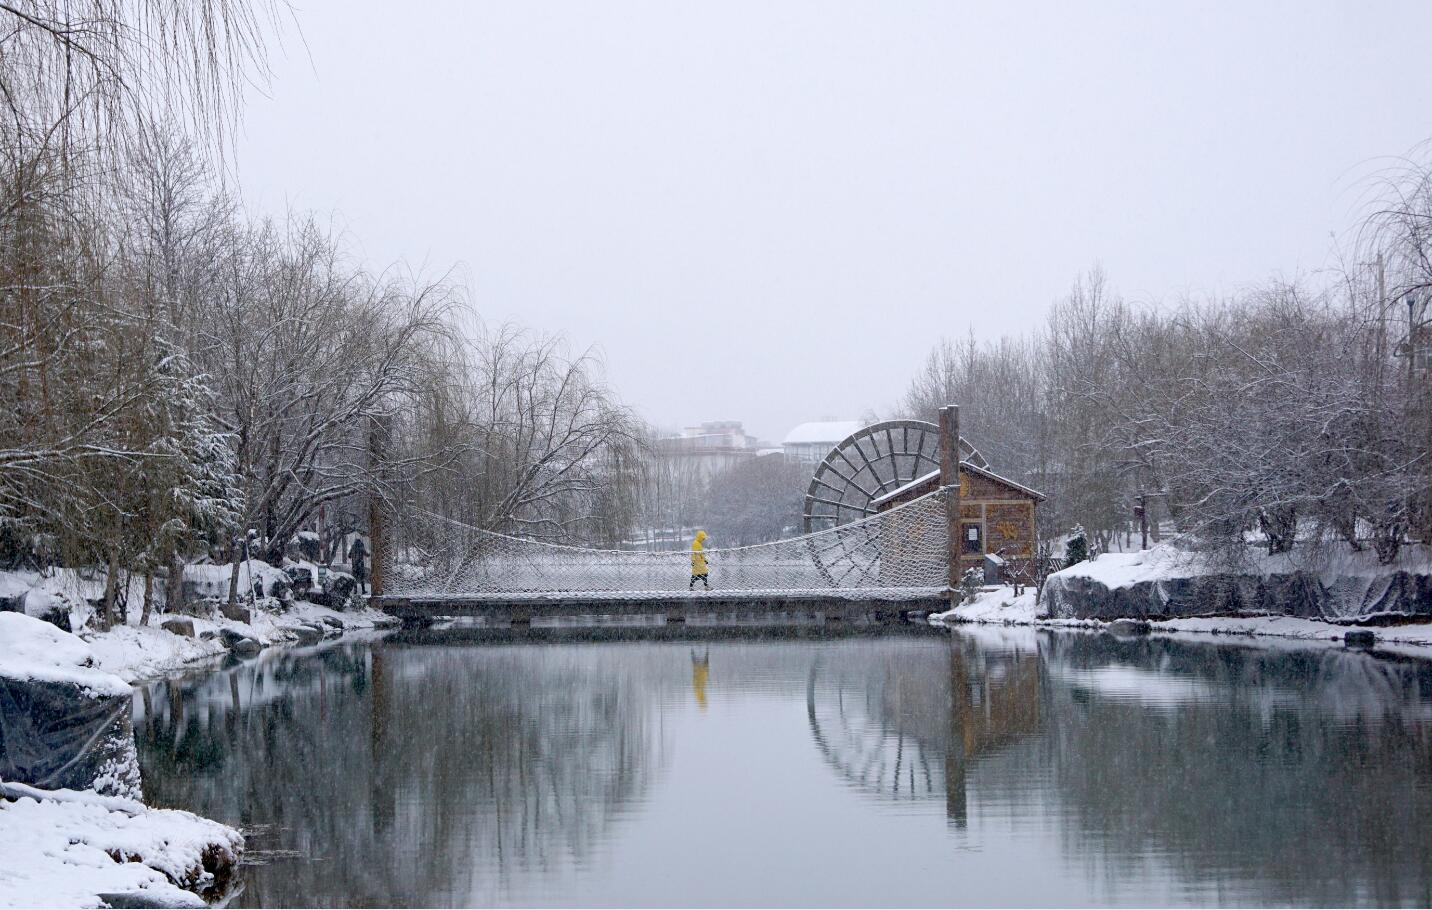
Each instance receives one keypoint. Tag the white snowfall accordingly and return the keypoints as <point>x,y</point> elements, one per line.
<point>1000,606</point>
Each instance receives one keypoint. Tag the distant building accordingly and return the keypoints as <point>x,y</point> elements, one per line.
<point>1421,349</point>
<point>810,442</point>
<point>710,447</point>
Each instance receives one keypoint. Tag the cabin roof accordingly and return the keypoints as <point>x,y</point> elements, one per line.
<point>932,480</point>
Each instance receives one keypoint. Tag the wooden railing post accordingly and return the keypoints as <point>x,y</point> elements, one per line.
<point>950,481</point>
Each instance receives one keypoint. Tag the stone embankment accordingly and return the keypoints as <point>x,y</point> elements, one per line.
<point>1165,584</point>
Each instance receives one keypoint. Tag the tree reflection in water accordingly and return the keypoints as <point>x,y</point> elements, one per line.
<point>444,756</point>
<point>1300,774</point>
<point>1307,769</point>
<point>491,769</point>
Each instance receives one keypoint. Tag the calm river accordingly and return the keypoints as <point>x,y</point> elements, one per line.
<point>862,767</point>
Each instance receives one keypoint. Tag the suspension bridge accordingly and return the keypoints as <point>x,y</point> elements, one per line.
<point>871,545</point>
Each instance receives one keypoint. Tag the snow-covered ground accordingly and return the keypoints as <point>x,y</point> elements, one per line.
<point>1000,606</point>
<point>66,848</point>
<point>133,651</point>
<point>137,652</point>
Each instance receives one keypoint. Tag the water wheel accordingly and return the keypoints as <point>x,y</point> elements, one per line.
<point>868,464</point>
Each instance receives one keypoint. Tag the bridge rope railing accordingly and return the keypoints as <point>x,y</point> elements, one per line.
<point>902,552</point>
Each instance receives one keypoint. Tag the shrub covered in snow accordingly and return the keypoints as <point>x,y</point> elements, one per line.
<point>1076,548</point>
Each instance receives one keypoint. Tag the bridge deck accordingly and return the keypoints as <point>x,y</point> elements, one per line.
<point>525,605</point>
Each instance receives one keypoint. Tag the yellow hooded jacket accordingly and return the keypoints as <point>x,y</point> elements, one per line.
<point>698,554</point>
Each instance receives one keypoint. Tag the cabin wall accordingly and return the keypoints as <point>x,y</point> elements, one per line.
<point>1003,517</point>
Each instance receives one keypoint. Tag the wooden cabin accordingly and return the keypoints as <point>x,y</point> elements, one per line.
<point>996,513</point>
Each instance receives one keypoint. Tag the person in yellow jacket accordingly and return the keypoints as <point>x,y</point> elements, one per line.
<point>698,561</point>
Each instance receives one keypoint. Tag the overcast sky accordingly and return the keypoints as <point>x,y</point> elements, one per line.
<point>769,211</point>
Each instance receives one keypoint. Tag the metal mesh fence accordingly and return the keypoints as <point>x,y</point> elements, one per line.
<point>891,555</point>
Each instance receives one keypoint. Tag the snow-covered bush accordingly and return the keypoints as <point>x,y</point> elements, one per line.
<point>1076,548</point>
<point>970,583</point>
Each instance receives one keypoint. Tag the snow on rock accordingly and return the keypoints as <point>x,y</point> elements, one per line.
<point>1000,607</point>
<point>1124,570</point>
<point>997,606</point>
<point>213,580</point>
<point>64,848</point>
<point>136,652</point>
<point>31,649</point>
<point>1165,583</point>
<point>63,722</point>
<point>58,593</point>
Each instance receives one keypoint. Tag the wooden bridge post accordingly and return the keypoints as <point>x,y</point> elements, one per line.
<point>950,481</point>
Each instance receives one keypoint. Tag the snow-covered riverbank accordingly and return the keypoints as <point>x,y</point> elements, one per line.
<point>68,848</point>
<point>65,724</point>
<point>1167,582</point>
<point>1000,606</point>
<point>135,651</point>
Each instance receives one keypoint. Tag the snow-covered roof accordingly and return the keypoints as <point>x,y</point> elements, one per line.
<point>930,478</point>
<point>933,478</point>
<point>826,431</point>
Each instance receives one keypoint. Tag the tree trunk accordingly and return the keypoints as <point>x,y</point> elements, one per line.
<point>111,584</point>
<point>148,598</point>
<point>174,588</point>
<point>121,597</point>
<point>234,574</point>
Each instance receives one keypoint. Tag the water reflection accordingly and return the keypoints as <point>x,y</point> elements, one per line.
<point>1307,771</point>
<point>608,767</point>
<point>907,725</point>
<point>391,771</point>
<point>700,673</point>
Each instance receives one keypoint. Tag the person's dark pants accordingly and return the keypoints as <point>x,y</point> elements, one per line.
<point>702,576</point>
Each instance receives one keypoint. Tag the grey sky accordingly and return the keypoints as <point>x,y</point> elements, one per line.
<point>768,212</point>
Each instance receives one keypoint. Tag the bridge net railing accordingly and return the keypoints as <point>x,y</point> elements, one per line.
<point>896,554</point>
